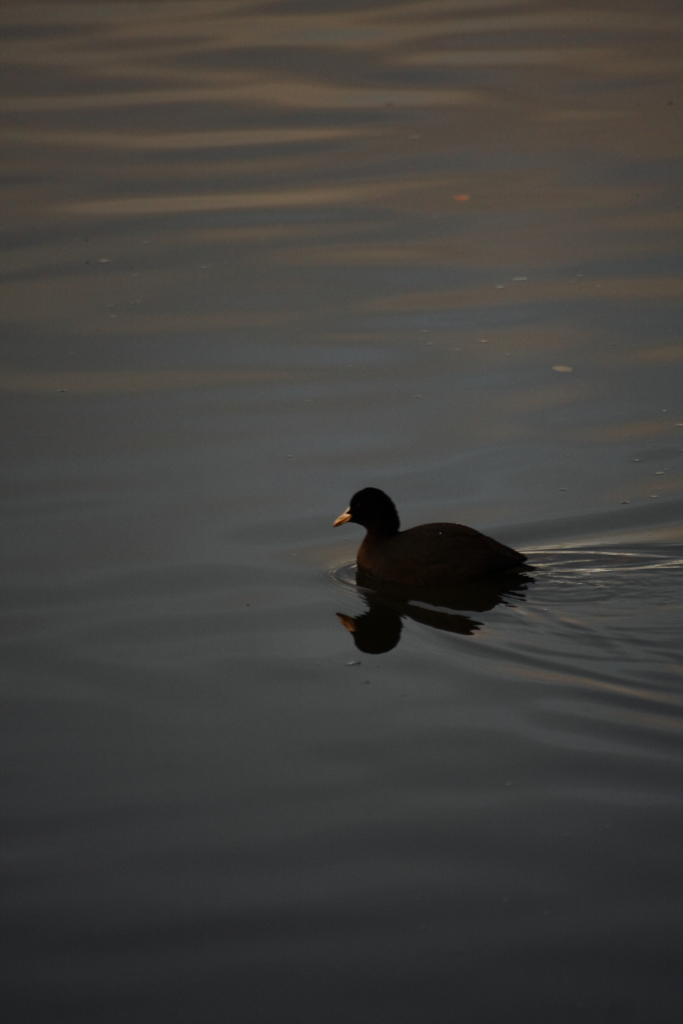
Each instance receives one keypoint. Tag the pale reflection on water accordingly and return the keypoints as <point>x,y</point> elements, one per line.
<point>257,256</point>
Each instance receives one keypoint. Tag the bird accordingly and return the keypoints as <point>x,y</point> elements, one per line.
<point>433,555</point>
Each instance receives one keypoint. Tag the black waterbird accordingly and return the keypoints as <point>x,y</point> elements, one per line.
<point>433,555</point>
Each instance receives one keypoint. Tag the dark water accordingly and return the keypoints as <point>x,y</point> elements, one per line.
<point>257,257</point>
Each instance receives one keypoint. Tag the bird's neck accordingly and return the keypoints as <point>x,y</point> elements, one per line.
<point>380,532</point>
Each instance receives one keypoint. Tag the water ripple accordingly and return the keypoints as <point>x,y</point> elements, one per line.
<point>603,618</point>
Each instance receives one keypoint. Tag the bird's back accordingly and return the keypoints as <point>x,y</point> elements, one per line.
<point>436,554</point>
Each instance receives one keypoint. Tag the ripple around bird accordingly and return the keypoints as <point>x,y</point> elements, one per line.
<point>574,574</point>
<point>590,615</point>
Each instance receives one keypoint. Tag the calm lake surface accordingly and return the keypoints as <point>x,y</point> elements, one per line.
<point>256,257</point>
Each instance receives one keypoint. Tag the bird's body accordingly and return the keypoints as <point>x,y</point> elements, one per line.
<point>433,555</point>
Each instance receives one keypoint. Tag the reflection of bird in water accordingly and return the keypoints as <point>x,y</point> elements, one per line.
<point>379,628</point>
<point>375,632</point>
<point>433,555</point>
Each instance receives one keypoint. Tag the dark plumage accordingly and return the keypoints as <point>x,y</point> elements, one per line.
<point>433,555</point>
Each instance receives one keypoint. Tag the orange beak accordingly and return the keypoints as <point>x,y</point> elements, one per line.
<point>347,621</point>
<point>345,517</point>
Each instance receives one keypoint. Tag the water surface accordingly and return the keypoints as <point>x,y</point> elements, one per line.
<point>258,256</point>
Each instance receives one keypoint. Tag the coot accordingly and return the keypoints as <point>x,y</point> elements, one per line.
<point>433,555</point>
